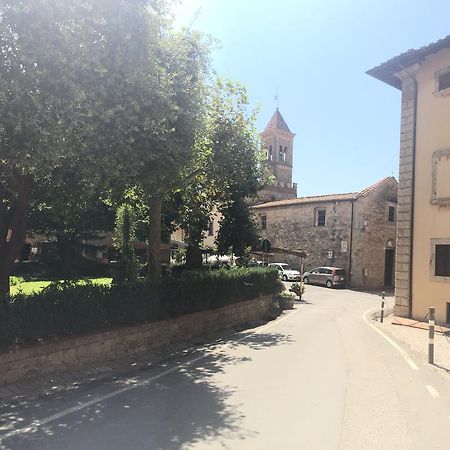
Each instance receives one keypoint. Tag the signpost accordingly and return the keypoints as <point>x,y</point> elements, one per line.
<point>266,246</point>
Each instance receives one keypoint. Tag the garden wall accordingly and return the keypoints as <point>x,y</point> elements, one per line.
<point>67,354</point>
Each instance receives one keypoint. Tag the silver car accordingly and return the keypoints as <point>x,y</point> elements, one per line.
<point>325,276</point>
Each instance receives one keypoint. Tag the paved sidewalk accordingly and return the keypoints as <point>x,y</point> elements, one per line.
<point>413,336</point>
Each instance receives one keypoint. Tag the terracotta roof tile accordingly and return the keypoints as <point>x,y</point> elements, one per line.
<point>327,197</point>
<point>375,186</point>
<point>277,123</point>
<point>312,199</point>
<point>385,71</point>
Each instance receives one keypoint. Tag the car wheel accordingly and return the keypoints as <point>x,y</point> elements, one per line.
<point>306,280</point>
<point>284,278</point>
<point>329,284</point>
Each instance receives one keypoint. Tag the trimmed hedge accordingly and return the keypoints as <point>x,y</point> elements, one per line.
<point>67,309</point>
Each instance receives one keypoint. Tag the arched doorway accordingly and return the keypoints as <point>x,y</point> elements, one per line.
<point>389,264</point>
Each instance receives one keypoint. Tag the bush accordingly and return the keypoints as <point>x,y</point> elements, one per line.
<point>286,300</point>
<point>28,269</point>
<point>67,308</point>
<point>298,288</point>
<point>15,281</point>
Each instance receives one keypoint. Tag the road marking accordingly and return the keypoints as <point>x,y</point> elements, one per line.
<point>405,355</point>
<point>433,392</point>
<point>39,423</point>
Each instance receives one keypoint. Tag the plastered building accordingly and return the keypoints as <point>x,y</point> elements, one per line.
<point>423,234</point>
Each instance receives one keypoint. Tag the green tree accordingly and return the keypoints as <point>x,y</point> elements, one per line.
<point>39,101</point>
<point>149,83</point>
<point>124,238</point>
<point>229,162</point>
<point>105,87</point>
<point>238,230</point>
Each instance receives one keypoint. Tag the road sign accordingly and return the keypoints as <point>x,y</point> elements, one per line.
<point>266,245</point>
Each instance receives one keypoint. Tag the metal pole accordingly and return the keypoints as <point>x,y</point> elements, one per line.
<point>301,279</point>
<point>383,295</point>
<point>431,335</point>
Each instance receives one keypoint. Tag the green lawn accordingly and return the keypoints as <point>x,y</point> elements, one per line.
<point>29,287</point>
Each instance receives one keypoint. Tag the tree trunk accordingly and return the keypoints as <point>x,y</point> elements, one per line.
<point>63,268</point>
<point>4,284</point>
<point>193,257</point>
<point>13,222</point>
<point>154,238</point>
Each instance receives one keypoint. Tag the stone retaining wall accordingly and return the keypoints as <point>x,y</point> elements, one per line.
<point>71,353</point>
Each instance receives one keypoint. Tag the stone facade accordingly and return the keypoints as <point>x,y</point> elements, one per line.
<point>67,354</point>
<point>403,270</point>
<point>353,231</point>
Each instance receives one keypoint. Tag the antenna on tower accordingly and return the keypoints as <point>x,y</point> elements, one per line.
<point>276,98</point>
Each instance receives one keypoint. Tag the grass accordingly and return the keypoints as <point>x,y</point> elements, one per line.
<point>29,287</point>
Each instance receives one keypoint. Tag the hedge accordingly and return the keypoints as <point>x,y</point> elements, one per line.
<point>67,309</point>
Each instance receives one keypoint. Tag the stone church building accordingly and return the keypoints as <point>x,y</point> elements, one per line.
<point>278,141</point>
<point>354,231</point>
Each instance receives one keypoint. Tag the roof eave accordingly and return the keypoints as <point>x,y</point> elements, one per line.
<point>276,204</point>
<point>386,76</point>
<point>386,72</point>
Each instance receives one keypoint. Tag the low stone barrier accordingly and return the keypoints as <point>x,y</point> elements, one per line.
<point>66,354</point>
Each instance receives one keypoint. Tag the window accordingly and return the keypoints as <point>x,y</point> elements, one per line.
<point>444,81</point>
<point>440,186</point>
<point>442,260</point>
<point>320,217</point>
<point>280,156</point>
<point>270,155</point>
<point>211,228</point>
<point>285,154</point>
<point>391,214</point>
<point>263,222</point>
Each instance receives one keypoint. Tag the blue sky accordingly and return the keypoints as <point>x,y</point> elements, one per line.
<point>316,53</point>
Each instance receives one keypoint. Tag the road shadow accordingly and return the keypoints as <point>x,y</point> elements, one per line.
<point>170,405</point>
<point>303,301</point>
<point>446,369</point>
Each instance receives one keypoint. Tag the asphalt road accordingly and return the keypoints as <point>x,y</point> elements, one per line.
<point>318,377</point>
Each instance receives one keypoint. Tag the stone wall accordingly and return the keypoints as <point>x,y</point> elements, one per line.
<point>75,352</point>
<point>293,227</point>
<point>372,235</point>
<point>357,245</point>
<point>405,196</point>
<point>276,192</point>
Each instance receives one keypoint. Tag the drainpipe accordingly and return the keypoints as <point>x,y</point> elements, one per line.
<point>351,248</point>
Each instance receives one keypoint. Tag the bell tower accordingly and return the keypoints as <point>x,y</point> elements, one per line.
<point>278,141</point>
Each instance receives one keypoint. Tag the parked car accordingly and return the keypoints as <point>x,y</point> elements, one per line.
<point>325,276</point>
<point>246,262</point>
<point>285,272</point>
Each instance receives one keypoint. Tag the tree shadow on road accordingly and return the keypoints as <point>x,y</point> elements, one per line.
<point>173,405</point>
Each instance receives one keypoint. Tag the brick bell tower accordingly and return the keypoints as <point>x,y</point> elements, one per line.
<point>278,142</point>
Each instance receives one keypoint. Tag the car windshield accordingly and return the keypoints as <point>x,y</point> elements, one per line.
<point>285,267</point>
<point>340,272</point>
